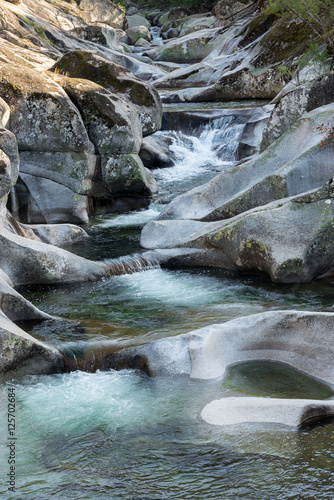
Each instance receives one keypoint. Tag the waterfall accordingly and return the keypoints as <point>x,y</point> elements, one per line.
<point>202,143</point>
<point>156,35</point>
<point>220,131</point>
<point>93,356</point>
<point>130,264</point>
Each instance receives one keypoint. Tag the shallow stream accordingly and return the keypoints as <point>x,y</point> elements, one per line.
<point>123,435</point>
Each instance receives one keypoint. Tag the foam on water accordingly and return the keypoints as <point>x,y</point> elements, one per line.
<point>136,218</point>
<point>82,401</point>
<point>111,435</point>
<point>193,156</point>
<point>174,288</point>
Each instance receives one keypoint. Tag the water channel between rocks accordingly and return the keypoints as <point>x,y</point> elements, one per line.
<point>124,435</point>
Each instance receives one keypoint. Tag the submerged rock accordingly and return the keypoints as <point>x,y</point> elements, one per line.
<point>103,11</point>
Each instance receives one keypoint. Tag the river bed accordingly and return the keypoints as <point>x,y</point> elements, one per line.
<point>124,435</point>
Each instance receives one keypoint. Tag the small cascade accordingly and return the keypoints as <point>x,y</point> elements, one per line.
<point>88,356</point>
<point>206,140</point>
<point>202,143</point>
<point>131,264</point>
<point>156,35</point>
<point>222,130</point>
<point>93,356</point>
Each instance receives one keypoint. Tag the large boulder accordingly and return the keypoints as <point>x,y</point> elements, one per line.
<point>253,241</point>
<point>103,11</point>
<point>43,118</point>
<point>287,111</point>
<point>136,20</point>
<point>226,9</point>
<point>136,33</point>
<point>21,354</point>
<point>297,338</point>
<point>155,152</point>
<point>91,66</point>
<point>125,175</point>
<point>112,124</point>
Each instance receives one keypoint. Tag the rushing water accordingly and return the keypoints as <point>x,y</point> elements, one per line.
<point>123,435</point>
<point>202,143</point>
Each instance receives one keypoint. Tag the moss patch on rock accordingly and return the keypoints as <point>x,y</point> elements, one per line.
<point>286,40</point>
<point>82,64</point>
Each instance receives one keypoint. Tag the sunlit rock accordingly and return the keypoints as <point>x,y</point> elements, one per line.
<point>287,412</point>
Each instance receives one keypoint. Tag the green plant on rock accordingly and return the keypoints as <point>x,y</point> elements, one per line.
<point>318,15</point>
<point>121,4</point>
<point>316,56</point>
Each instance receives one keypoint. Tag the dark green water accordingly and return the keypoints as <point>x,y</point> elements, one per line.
<point>274,379</point>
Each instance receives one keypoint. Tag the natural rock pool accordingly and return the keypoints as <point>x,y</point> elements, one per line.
<point>124,435</point>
